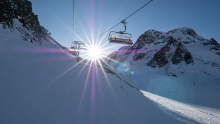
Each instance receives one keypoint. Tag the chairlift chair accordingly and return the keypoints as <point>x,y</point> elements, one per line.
<point>73,50</point>
<point>120,37</point>
<point>116,37</point>
<point>76,46</point>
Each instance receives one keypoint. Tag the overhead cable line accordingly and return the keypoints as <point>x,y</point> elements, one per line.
<point>125,19</point>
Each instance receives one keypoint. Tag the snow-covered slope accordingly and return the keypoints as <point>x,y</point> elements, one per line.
<point>175,53</point>
<point>40,84</point>
<point>178,66</point>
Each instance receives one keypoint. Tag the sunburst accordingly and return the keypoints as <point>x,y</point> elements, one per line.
<point>94,52</point>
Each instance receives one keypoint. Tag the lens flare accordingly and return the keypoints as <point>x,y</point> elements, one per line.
<point>94,52</point>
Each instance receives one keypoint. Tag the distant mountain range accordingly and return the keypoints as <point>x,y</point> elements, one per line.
<point>178,70</point>
<point>179,53</point>
<point>166,45</point>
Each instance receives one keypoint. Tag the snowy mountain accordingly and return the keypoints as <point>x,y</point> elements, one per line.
<point>177,73</point>
<point>43,84</point>
<point>157,49</point>
<point>180,47</point>
<point>176,68</point>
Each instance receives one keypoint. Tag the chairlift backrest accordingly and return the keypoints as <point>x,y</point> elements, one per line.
<point>78,42</point>
<point>120,36</point>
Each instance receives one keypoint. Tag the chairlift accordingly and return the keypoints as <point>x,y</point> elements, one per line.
<point>120,37</point>
<point>75,47</point>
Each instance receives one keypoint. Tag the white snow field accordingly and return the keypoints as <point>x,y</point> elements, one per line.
<point>199,114</point>
<point>192,94</point>
<point>179,96</point>
<point>188,90</point>
<point>40,84</point>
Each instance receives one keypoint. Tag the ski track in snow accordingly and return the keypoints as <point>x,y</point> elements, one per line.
<point>198,114</point>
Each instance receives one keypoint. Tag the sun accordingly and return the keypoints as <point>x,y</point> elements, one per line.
<point>94,52</point>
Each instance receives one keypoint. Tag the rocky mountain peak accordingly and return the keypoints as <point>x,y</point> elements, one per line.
<point>215,46</point>
<point>184,31</point>
<point>174,52</point>
<point>157,49</point>
<point>153,32</point>
<point>213,42</point>
<point>182,54</point>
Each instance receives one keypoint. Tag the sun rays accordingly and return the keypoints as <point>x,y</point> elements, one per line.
<point>94,56</point>
<point>94,52</point>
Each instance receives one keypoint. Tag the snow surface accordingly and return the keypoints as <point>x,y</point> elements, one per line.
<point>189,90</point>
<point>40,84</point>
<point>200,114</point>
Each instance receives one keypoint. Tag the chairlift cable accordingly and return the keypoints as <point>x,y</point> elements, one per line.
<point>125,18</point>
<point>138,10</point>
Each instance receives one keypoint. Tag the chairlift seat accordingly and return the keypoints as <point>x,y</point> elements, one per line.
<point>73,50</point>
<point>120,39</point>
<point>76,46</point>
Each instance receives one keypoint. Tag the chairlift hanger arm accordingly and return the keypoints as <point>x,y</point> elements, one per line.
<point>123,22</point>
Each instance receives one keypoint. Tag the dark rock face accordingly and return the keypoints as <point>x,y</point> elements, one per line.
<point>213,42</point>
<point>138,56</point>
<point>139,44</point>
<point>21,10</point>
<point>16,9</point>
<point>215,45</point>
<point>162,57</point>
<point>182,54</point>
<point>142,41</point>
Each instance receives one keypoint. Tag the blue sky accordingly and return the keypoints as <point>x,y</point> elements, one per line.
<point>93,17</point>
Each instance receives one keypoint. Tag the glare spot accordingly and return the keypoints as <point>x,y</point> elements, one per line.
<point>94,52</point>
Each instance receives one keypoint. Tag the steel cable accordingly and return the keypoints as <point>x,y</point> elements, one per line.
<point>124,19</point>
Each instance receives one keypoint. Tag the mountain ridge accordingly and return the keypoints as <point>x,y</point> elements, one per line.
<point>167,45</point>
